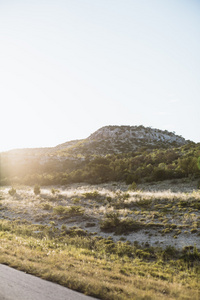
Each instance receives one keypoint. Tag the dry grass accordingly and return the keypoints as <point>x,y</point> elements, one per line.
<point>149,206</point>
<point>106,277</point>
<point>76,257</point>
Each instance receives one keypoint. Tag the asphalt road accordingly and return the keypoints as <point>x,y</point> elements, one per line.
<point>17,285</point>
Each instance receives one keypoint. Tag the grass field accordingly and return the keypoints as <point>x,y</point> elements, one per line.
<point>106,240</point>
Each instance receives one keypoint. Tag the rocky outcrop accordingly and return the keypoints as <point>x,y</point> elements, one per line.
<point>130,133</point>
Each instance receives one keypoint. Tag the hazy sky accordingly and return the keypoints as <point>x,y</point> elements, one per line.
<point>69,67</point>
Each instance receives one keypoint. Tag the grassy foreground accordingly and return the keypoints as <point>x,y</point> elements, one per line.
<point>100,267</point>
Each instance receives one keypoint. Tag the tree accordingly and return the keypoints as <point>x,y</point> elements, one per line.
<point>188,165</point>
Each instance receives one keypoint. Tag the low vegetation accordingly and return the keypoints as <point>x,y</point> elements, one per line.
<point>109,241</point>
<point>12,191</point>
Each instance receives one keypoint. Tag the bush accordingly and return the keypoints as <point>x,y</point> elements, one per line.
<point>191,253</point>
<point>133,186</point>
<point>12,191</point>
<point>91,195</point>
<point>75,210</point>
<point>142,254</point>
<point>46,206</point>
<point>54,191</point>
<point>112,223</point>
<point>36,189</point>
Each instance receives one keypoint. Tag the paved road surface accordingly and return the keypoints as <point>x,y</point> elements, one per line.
<point>17,285</point>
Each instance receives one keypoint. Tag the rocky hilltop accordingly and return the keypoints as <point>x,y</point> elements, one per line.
<point>106,140</point>
<point>133,133</point>
<point>120,139</point>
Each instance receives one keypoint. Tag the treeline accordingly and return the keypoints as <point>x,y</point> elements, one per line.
<point>142,166</point>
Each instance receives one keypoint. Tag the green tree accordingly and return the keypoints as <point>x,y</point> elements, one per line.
<point>188,165</point>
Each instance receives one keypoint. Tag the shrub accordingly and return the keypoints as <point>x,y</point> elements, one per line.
<point>144,203</point>
<point>170,252</point>
<point>191,253</point>
<point>193,230</point>
<point>73,231</point>
<point>75,210</point>
<point>109,199</point>
<point>133,186</point>
<point>142,254</point>
<point>36,189</point>
<point>12,191</point>
<point>46,206</point>
<point>54,191</point>
<point>112,223</point>
<point>60,210</point>
<point>91,195</point>
<point>76,200</point>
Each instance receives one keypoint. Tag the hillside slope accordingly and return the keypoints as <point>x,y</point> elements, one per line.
<point>112,153</point>
<point>106,140</point>
<point>119,139</point>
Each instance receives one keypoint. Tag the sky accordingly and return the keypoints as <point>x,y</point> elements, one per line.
<point>68,68</point>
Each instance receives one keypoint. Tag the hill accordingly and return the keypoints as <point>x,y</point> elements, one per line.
<point>112,153</point>
<point>119,139</point>
<point>106,140</point>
